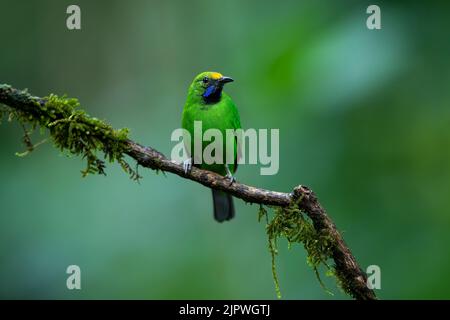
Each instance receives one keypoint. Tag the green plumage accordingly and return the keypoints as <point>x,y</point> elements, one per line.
<point>206,102</point>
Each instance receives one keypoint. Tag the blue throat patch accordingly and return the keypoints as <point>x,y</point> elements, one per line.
<point>208,91</point>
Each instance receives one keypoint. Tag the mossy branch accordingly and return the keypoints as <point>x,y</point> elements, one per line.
<point>298,216</point>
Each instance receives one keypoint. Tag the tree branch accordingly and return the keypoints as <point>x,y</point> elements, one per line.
<point>351,277</point>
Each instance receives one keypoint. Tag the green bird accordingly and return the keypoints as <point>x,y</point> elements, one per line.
<point>206,102</point>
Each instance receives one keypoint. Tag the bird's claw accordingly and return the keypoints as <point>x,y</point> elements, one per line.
<point>229,175</point>
<point>187,165</point>
<point>231,178</point>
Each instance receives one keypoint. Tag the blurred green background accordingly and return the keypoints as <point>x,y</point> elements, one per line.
<point>364,119</point>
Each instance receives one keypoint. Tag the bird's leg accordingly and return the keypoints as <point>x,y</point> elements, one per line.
<point>229,175</point>
<point>187,165</point>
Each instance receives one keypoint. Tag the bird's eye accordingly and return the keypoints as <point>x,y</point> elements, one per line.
<point>205,80</point>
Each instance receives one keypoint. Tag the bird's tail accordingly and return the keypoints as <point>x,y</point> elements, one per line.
<point>223,206</point>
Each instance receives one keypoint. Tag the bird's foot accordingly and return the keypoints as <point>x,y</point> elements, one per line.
<point>229,175</point>
<point>187,165</point>
<point>231,178</point>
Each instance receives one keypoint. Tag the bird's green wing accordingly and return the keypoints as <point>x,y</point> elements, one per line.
<point>236,124</point>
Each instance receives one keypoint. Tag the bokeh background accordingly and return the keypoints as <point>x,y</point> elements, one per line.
<point>364,119</point>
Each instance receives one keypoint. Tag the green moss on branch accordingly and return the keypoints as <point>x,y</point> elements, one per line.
<point>290,223</point>
<point>72,130</point>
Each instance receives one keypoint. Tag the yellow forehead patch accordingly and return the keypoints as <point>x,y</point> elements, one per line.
<point>216,75</point>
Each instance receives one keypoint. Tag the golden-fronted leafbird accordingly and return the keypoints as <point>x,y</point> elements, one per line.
<point>207,103</point>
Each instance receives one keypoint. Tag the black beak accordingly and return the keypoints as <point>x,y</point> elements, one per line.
<point>224,80</point>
